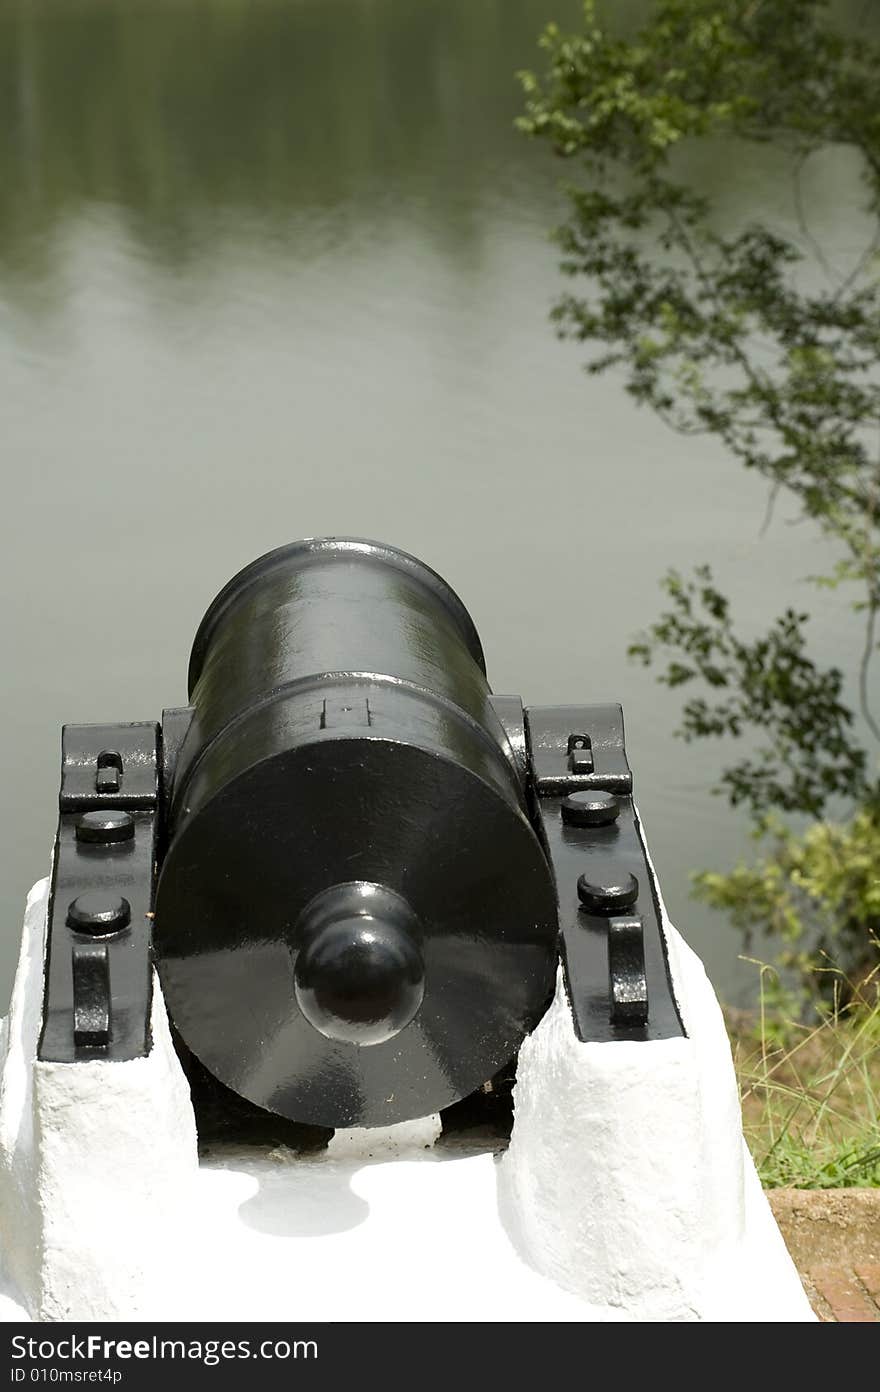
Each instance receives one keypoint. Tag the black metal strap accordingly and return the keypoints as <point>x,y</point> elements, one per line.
<point>612,945</point>
<point>576,748</point>
<point>98,985</point>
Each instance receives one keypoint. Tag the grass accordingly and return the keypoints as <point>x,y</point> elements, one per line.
<point>811,1093</point>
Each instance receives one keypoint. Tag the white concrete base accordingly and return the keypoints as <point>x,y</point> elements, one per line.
<point>626,1193</point>
<point>98,1162</point>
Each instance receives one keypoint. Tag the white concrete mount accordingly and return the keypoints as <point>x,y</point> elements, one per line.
<point>626,1192</point>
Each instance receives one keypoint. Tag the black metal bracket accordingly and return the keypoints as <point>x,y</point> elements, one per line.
<point>98,981</point>
<point>611,940</point>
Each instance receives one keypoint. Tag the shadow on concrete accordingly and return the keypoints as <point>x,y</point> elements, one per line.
<point>303,1197</point>
<point>310,1193</point>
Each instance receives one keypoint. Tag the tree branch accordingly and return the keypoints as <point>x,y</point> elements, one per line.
<point>864,665</point>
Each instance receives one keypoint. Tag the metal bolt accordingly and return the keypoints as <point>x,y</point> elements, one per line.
<point>109,771</point>
<point>99,915</point>
<point>105,828</point>
<point>581,760</point>
<point>611,896</point>
<point>590,809</point>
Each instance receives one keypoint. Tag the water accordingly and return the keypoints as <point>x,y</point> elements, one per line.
<point>280,268</point>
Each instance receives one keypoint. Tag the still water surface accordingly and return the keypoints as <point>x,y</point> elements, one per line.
<point>280,268</point>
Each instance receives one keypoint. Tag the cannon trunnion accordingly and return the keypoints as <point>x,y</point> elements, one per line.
<point>354,868</point>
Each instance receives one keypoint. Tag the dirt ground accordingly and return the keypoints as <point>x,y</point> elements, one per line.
<point>833,1236</point>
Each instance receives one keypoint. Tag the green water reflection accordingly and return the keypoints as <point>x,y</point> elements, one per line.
<point>280,268</point>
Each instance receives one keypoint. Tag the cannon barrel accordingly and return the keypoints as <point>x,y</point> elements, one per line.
<point>355,921</point>
<point>354,868</point>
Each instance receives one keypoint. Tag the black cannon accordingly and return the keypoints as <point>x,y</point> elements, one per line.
<point>354,868</point>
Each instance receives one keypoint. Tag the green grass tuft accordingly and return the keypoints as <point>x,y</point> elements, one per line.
<point>811,1093</point>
